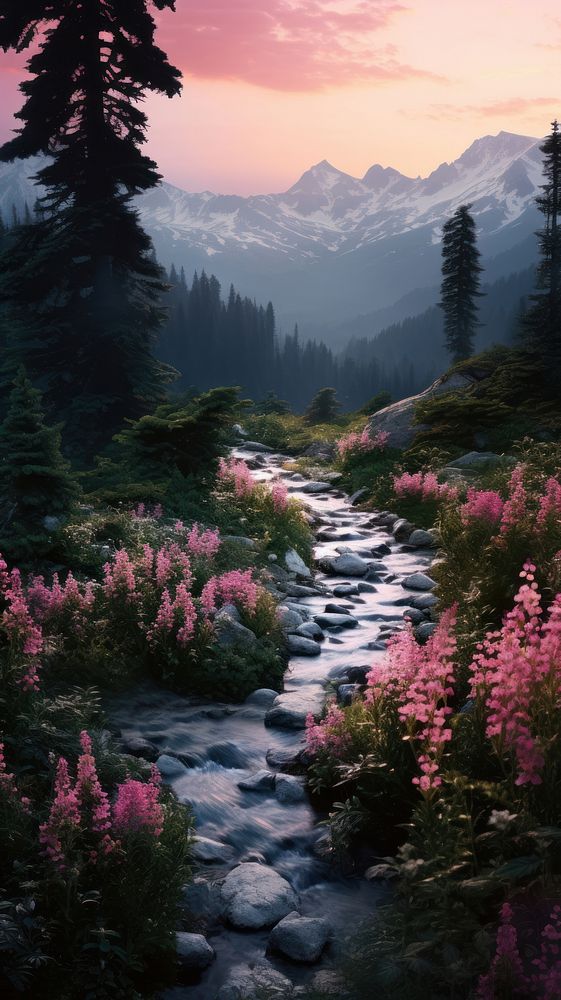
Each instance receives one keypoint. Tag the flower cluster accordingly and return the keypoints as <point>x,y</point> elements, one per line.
<point>423,486</point>
<point>329,734</point>
<point>279,493</point>
<point>236,587</point>
<point>142,512</point>
<point>137,807</point>
<point>507,966</point>
<point>119,579</point>
<point>363,442</point>
<point>50,602</point>
<point>236,474</point>
<point>8,785</point>
<point>516,504</point>
<point>483,506</point>
<point>23,633</point>
<point>203,543</point>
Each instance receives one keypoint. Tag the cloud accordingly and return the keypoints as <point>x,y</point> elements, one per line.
<point>513,106</point>
<point>288,45</point>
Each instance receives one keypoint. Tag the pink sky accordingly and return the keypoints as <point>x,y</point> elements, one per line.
<point>273,86</point>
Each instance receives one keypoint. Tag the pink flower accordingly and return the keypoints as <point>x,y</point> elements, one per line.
<point>329,734</point>
<point>236,587</point>
<point>237,475</point>
<point>164,619</point>
<point>516,506</point>
<point>550,502</point>
<point>58,833</point>
<point>423,486</point>
<point>279,493</point>
<point>203,543</point>
<point>137,808</point>
<point>363,442</point>
<point>89,792</point>
<point>485,506</point>
<point>8,785</point>
<point>185,605</point>
<point>119,578</point>
<point>506,962</point>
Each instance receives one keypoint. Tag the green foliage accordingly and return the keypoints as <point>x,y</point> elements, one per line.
<point>290,433</point>
<point>271,404</point>
<point>324,407</point>
<point>376,403</point>
<point>35,481</point>
<point>460,282</point>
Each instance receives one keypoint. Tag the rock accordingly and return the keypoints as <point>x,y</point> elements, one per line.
<point>358,675</point>
<point>338,609</point>
<point>261,781</point>
<point>366,588</point>
<point>315,487</point>
<point>261,980</point>
<point>424,602</point>
<point>286,759</point>
<point>423,632</point>
<point>348,565</point>
<point>418,581</point>
<point>227,611</point>
<point>345,590</point>
<point>310,630</point>
<point>336,621</point>
<point>291,709</point>
<point>382,550</point>
<point>402,529</point>
<point>51,523</point>
<point>304,613</point>
<point>256,446</point>
<point>480,459</point>
<point>300,938</point>
<point>421,539</point>
<point>289,620</point>
<point>414,616</point>
<point>290,788</point>
<point>320,449</point>
<point>255,896</point>
<point>228,755</point>
<point>297,590</point>
<point>211,851</point>
<point>263,696</point>
<point>193,951</point>
<point>295,564</point>
<point>201,899</point>
<point>398,419</point>
<point>239,431</point>
<point>170,768</point>
<point>229,632</point>
<point>299,645</point>
<point>137,746</point>
<point>346,693</point>
<point>357,497</point>
<point>242,540</point>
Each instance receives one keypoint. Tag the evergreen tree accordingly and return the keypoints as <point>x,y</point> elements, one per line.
<point>323,408</point>
<point>85,268</point>
<point>272,404</point>
<point>35,481</point>
<point>542,324</point>
<point>460,283</point>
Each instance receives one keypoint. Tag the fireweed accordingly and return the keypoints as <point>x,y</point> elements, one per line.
<point>361,443</point>
<point>510,975</point>
<point>423,486</point>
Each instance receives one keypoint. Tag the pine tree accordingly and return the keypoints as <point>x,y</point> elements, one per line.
<point>460,283</point>
<point>85,268</point>
<point>542,323</point>
<point>323,408</point>
<point>35,481</point>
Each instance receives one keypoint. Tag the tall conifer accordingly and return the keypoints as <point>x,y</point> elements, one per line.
<point>460,283</point>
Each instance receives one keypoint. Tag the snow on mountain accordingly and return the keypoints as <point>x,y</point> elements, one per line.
<point>333,242</point>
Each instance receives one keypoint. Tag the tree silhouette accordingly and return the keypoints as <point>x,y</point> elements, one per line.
<point>460,283</point>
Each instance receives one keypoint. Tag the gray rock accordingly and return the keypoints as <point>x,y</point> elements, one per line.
<point>300,938</point>
<point>480,459</point>
<point>290,788</point>
<point>299,645</point>
<point>424,602</point>
<point>348,565</point>
<point>295,564</point>
<point>338,609</point>
<point>227,611</point>
<point>242,540</point>
<point>421,539</point>
<point>298,590</point>
<point>229,632</point>
<point>419,581</point>
<point>137,746</point>
<point>261,781</point>
<point>382,550</point>
<point>424,631</point>
<point>366,588</point>
<point>210,852</point>
<point>193,951</point>
<point>304,613</point>
<point>202,900</point>
<point>239,431</point>
<point>336,621</point>
<point>398,419</point>
<point>170,768</point>
<point>51,523</point>
<point>262,980</point>
<point>228,754</point>
<point>255,896</point>
<point>402,529</point>
<point>346,693</point>
<point>345,590</point>
<point>358,496</point>
<point>263,696</point>
<point>289,620</point>
<point>414,615</point>
<point>358,675</point>
<point>316,487</point>
<point>291,709</point>
<point>257,447</point>
<point>310,630</point>
<point>286,759</point>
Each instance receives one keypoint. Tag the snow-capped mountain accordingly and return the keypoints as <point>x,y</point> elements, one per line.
<point>335,245</point>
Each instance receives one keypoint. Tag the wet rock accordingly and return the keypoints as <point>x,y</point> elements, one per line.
<point>423,632</point>
<point>261,781</point>
<point>210,852</point>
<point>310,630</point>
<point>338,609</point>
<point>424,602</point>
<point>366,588</point>
<point>300,938</point>
<point>137,746</point>
<point>228,755</point>
<point>229,632</point>
<point>402,530</point>
<point>358,675</point>
<point>263,696</point>
<point>289,620</point>
<point>170,768</point>
<point>299,645</point>
<point>290,788</point>
<point>346,693</point>
<point>382,550</point>
<point>316,487</point>
<point>255,896</point>
<point>202,900</point>
<point>261,980</point>
<point>304,612</point>
<point>421,539</point>
<point>297,590</point>
<point>286,759</point>
<point>358,496</point>
<point>348,565</point>
<point>193,951</point>
<point>336,621</point>
<point>257,447</point>
<point>414,616</point>
<point>291,709</point>
<point>295,564</point>
<point>345,590</point>
<point>419,581</point>
<point>242,540</point>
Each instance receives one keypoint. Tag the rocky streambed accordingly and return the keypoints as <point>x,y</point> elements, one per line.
<point>267,907</point>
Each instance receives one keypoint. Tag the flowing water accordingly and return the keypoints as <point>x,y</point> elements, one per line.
<point>224,744</point>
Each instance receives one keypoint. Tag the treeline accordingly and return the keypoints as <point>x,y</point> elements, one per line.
<point>212,341</point>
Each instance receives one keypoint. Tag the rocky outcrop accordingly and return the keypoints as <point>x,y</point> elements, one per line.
<point>398,419</point>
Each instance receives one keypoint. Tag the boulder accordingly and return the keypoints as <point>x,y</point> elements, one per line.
<point>201,899</point>
<point>137,746</point>
<point>295,564</point>
<point>262,697</point>
<point>290,788</point>
<point>316,487</point>
<point>261,781</point>
<point>348,564</point>
<point>358,496</point>
<point>346,693</point>
<point>228,754</point>
<point>289,620</point>
<point>211,852</point>
<point>299,645</point>
<point>421,539</point>
<point>310,630</point>
<point>261,980</point>
<point>170,768</point>
<point>193,951</point>
<point>291,709</point>
<point>242,540</point>
<point>424,631</point>
<point>345,590</point>
<point>229,632</point>
<point>257,447</point>
<point>336,621</point>
<point>398,419</point>
<point>300,938</point>
<point>418,581</point>
<point>402,529</point>
<point>424,602</point>
<point>480,459</point>
<point>256,896</point>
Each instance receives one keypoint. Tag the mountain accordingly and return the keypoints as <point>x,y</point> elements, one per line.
<point>334,246</point>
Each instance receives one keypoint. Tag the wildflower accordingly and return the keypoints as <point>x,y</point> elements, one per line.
<point>137,808</point>
<point>185,605</point>
<point>119,578</point>
<point>515,507</point>
<point>279,494</point>
<point>550,502</point>
<point>57,834</point>
<point>203,543</point>
<point>423,486</point>
<point>363,442</point>
<point>501,819</point>
<point>236,474</point>
<point>329,734</point>
<point>507,963</point>
<point>485,506</point>
<point>89,792</point>
<point>236,587</point>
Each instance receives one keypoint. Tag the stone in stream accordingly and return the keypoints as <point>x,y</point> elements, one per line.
<point>291,709</point>
<point>209,851</point>
<point>345,590</point>
<point>414,616</point>
<point>289,620</point>
<point>425,631</point>
<point>137,746</point>
<point>286,759</point>
<point>261,781</point>
<point>338,609</point>
<point>290,788</point>
<point>336,621</point>
<point>316,487</point>
<point>402,529</point>
<point>299,645</point>
<point>297,590</point>
<point>358,675</point>
<point>262,697</point>
<point>201,899</point>
<point>366,588</point>
<point>254,983</point>
<point>295,564</point>
<point>300,938</point>
<point>304,612</point>
<point>422,539</point>
<point>257,447</point>
<point>228,755</point>
<point>193,952</point>
<point>418,581</point>
<point>348,564</point>
<point>310,630</point>
<point>424,602</point>
<point>382,550</point>
<point>170,768</point>
<point>346,693</point>
<point>256,896</point>
<point>357,497</point>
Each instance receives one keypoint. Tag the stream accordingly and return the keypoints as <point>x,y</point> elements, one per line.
<point>217,745</point>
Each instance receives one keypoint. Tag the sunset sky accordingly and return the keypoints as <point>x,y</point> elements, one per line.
<point>273,86</point>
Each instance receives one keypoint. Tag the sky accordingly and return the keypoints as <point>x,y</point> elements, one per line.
<point>274,86</point>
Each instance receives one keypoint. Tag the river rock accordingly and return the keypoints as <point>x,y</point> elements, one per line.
<point>414,616</point>
<point>137,746</point>
<point>193,951</point>
<point>402,529</point>
<point>261,781</point>
<point>262,697</point>
<point>290,788</point>
<point>358,675</point>
<point>480,459</point>
<point>202,900</point>
<point>345,590</point>
<point>255,896</point>
<point>298,590</point>
<point>304,612</point>
<point>289,620</point>
<point>257,447</point>
<point>358,496</point>
<point>211,852</point>
<point>170,768</point>
<point>348,564</point>
<point>419,581</point>
<point>310,630</point>
<point>338,609</point>
<point>424,602</point>
<point>421,539</point>
<point>300,938</point>
<point>382,550</point>
<point>316,487</point>
<point>423,632</point>
<point>229,632</point>
<point>291,709</point>
<point>261,980</point>
<point>366,588</point>
<point>295,564</point>
<point>299,645</point>
<point>286,759</point>
<point>336,621</point>
<point>242,540</point>
<point>228,754</point>
<point>346,693</point>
